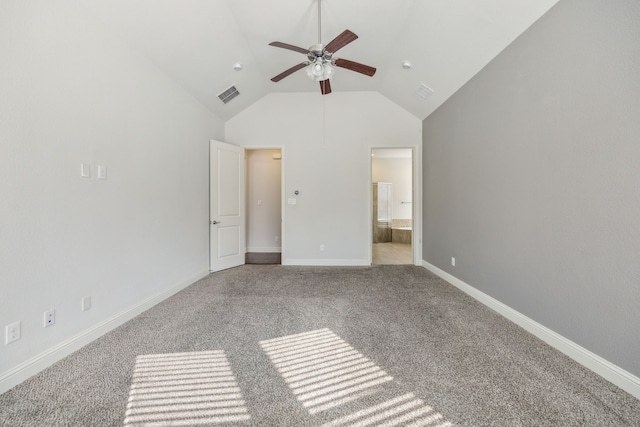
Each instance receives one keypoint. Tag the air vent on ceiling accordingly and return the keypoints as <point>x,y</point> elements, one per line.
<point>228,94</point>
<point>424,91</point>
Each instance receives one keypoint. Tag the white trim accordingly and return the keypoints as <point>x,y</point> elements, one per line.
<point>416,227</point>
<point>264,249</point>
<point>327,262</point>
<point>616,375</point>
<point>28,368</point>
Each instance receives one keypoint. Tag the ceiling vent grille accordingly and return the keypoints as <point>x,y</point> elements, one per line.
<point>424,91</point>
<point>228,94</point>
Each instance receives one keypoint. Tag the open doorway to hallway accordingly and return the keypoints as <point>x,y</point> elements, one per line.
<point>264,206</point>
<point>392,187</point>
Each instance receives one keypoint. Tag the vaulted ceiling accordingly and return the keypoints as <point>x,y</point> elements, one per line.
<point>197,42</point>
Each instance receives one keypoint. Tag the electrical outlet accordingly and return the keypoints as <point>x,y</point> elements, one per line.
<point>49,318</point>
<point>12,333</point>
<point>321,248</point>
<point>85,303</point>
<point>453,261</point>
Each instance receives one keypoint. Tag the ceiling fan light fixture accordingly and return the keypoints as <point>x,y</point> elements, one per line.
<point>328,70</point>
<point>320,65</point>
<point>309,71</point>
<point>320,70</point>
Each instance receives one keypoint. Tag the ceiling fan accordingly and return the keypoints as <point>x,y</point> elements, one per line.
<point>320,64</point>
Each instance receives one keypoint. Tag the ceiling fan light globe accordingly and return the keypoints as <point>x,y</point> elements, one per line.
<point>309,71</point>
<point>328,71</point>
<point>318,69</point>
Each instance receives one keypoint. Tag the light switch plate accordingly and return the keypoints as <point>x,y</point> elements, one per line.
<point>102,172</point>
<point>293,201</point>
<point>85,170</point>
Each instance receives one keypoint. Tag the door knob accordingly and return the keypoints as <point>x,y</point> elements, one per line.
<point>215,222</point>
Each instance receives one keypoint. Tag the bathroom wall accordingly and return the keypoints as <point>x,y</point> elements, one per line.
<point>397,171</point>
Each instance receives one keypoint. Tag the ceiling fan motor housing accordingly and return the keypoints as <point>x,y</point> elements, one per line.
<point>317,51</point>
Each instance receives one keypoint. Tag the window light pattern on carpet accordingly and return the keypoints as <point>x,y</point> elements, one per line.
<point>181,389</point>
<point>323,372</point>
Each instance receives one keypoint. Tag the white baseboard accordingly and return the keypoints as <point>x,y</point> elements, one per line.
<point>612,373</point>
<point>28,368</point>
<point>264,249</point>
<point>327,262</point>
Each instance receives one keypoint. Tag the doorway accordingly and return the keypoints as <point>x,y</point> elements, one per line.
<point>263,171</point>
<point>392,178</point>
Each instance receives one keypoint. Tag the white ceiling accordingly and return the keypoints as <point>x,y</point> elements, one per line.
<point>196,42</point>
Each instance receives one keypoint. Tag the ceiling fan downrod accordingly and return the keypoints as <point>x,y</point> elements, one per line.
<point>319,23</point>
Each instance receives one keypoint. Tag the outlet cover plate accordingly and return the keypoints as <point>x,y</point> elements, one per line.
<point>12,333</point>
<point>86,303</point>
<point>49,318</point>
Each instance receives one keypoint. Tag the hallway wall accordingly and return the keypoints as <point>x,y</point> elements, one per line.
<point>264,205</point>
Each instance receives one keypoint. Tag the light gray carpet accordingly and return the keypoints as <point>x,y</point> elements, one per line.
<point>269,345</point>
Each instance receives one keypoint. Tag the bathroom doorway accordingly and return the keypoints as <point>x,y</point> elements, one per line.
<point>263,168</point>
<point>392,205</point>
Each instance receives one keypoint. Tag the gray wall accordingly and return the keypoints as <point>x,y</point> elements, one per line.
<point>532,177</point>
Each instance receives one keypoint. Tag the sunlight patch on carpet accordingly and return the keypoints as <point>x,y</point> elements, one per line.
<point>181,389</point>
<point>323,371</point>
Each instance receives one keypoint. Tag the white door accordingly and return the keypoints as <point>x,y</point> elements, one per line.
<point>227,223</point>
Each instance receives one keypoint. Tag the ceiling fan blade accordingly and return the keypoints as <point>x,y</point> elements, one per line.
<point>354,66</point>
<point>291,70</point>
<point>341,41</point>
<point>325,87</point>
<point>290,47</point>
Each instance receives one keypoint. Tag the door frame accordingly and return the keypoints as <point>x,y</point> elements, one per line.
<point>282,192</point>
<point>416,208</point>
